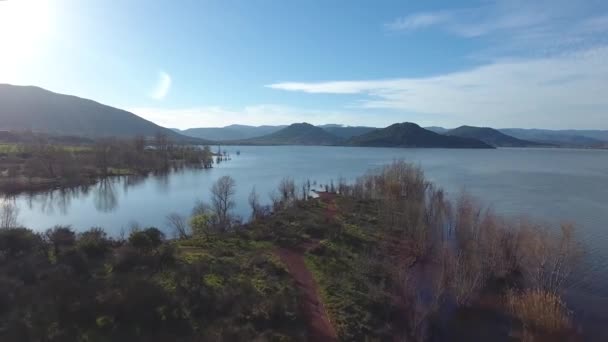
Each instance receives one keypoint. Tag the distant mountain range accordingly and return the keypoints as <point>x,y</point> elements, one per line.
<point>490,136</point>
<point>70,118</point>
<point>565,138</point>
<point>232,132</point>
<point>546,137</point>
<point>26,108</point>
<point>411,135</point>
<point>295,134</point>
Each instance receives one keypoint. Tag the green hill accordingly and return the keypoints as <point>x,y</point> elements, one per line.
<point>295,134</point>
<point>27,108</point>
<point>490,136</point>
<point>411,135</point>
<point>232,132</point>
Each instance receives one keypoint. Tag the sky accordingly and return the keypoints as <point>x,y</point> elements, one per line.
<point>207,63</point>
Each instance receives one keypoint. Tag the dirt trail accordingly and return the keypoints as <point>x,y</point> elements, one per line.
<point>319,325</point>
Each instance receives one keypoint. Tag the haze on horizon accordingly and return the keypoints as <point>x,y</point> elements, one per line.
<point>516,63</point>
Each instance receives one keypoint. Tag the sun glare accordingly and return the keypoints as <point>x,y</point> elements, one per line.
<point>23,26</point>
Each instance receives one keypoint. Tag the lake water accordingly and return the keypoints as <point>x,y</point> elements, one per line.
<point>547,184</point>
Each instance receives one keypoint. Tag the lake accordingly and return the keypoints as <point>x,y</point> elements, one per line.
<point>551,185</point>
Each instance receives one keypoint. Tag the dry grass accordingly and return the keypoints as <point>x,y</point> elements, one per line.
<point>539,311</point>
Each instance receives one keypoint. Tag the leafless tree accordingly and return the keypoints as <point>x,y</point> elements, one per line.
<point>103,153</point>
<point>222,200</point>
<point>287,190</point>
<point>254,204</point>
<point>275,199</point>
<point>9,213</point>
<point>178,224</point>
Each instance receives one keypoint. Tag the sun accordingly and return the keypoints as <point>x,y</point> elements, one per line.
<point>24,24</point>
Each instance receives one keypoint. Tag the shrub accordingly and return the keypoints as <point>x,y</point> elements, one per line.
<point>61,237</point>
<point>94,243</point>
<point>147,239</point>
<point>539,310</point>
<point>16,242</point>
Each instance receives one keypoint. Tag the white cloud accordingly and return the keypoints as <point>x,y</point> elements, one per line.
<point>558,91</point>
<point>162,86</point>
<point>525,27</point>
<point>265,114</point>
<point>417,21</point>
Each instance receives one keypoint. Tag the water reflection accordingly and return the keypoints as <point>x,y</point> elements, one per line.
<point>54,201</point>
<point>104,197</point>
<point>162,181</point>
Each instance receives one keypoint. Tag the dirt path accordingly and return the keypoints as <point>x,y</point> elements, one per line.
<point>319,326</point>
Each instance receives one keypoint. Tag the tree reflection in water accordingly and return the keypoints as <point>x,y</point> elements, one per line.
<point>56,200</point>
<point>104,197</point>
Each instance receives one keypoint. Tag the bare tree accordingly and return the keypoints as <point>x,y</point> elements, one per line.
<point>139,143</point>
<point>222,201</point>
<point>9,212</point>
<point>103,152</point>
<point>178,224</point>
<point>254,203</point>
<point>287,190</point>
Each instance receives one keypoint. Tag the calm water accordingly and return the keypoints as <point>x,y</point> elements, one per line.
<point>547,184</point>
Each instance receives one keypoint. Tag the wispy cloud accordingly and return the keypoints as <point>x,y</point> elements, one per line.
<point>162,86</point>
<point>417,21</point>
<point>518,26</point>
<point>556,91</point>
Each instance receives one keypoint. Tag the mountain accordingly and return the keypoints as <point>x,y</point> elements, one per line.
<point>490,136</point>
<point>411,135</point>
<point>295,134</point>
<point>567,138</point>
<point>437,129</point>
<point>27,108</point>
<point>346,132</point>
<point>232,132</point>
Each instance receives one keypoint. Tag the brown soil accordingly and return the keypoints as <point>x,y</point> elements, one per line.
<point>319,325</point>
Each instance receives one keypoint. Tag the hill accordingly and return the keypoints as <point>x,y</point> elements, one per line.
<point>27,108</point>
<point>437,129</point>
<point>295,134</point>
<point>566,138</point>
<point>411,135</point>
<point>490,136</point>
<point>347,132</point>
<point>232,132</point>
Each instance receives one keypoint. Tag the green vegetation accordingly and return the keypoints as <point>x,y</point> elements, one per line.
<point>63,286</point>
<point>391,259</point>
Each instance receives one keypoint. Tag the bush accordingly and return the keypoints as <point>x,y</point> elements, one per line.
<point>16,242</point>
<point>539,311</point>
<point>61,237</point>
<point>147,239</point>
<point>94,243</point>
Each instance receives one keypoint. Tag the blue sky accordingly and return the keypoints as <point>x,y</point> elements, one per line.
<point>211,63</point>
